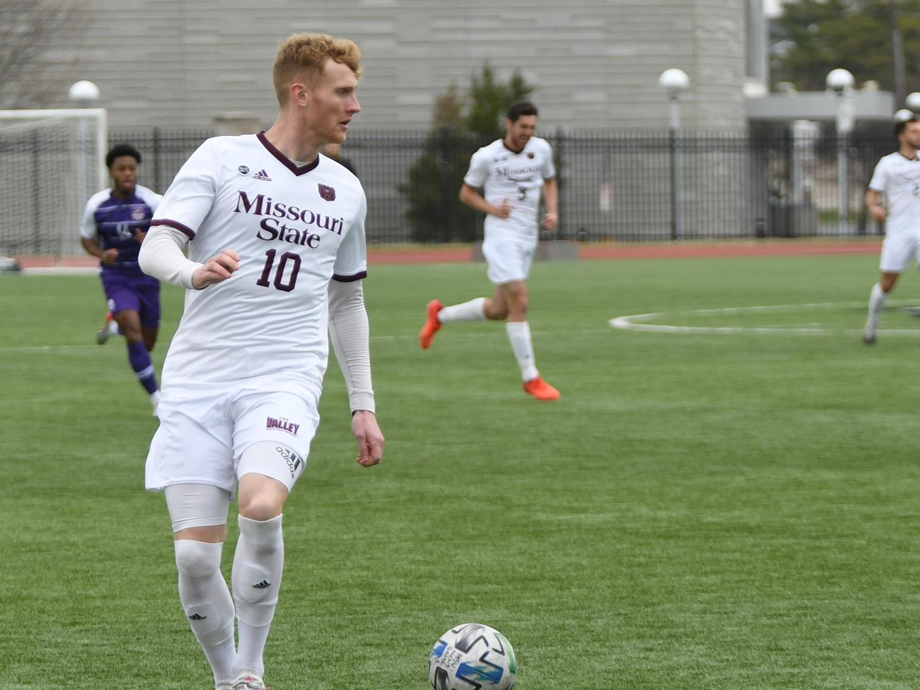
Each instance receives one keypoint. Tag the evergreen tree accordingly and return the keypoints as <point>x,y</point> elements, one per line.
<point>812,37</point>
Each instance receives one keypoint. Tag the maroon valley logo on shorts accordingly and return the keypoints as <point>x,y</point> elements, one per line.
<point>328,193</point>
<point>282,424</point>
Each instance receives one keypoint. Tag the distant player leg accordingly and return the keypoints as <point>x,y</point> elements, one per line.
<point>199,516</point>
<point>509,266</point>
<point>109,329</point>
<point>138,355</point>
<point>897,252</point>
<point>515,296</point>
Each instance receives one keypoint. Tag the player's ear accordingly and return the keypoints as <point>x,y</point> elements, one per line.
<point>299,93</point>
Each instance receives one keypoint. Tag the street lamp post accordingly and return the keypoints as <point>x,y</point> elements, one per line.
<point>674,82</point>
<point>85,94</point>
<point>840,81</point>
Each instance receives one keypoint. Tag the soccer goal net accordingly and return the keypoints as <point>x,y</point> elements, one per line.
<point>51,162</point>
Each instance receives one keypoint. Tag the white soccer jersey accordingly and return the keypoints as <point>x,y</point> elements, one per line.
<point>515,177</point>
<point>898,178</point>
<point>295,228</point>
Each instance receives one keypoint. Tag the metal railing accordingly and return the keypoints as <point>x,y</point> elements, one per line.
<point>614,185</point>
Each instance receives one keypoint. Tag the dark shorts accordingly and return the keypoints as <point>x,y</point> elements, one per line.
<point>138,293</point>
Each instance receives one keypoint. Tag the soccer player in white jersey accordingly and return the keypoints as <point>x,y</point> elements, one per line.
<point>512,172</point>
<point>897,176</point>
<point>276,254</point>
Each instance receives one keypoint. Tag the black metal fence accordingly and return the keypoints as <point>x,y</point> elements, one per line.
<point>614,185</point>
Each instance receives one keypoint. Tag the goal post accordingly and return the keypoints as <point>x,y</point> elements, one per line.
<point>51,162</point>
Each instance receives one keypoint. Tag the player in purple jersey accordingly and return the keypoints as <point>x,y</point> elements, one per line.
<point>115,223</point>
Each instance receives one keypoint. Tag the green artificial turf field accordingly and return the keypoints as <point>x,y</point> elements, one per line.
<point>708,510</point>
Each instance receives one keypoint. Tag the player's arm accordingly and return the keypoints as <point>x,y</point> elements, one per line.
<point>349,332</point>
<point>472,198</point>
<point>92,246</point>
<point>89,235</point>
<point>551,195</point>
<point>161,256</point>
<point>878,211</point>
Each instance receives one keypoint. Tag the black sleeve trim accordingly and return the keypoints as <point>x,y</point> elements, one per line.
<point>350,279</point>
<point>174,224</point>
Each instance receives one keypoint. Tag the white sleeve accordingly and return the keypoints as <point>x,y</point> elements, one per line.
<point>351,257</point>
<point>88,226</point>
<point>879,177</point>
<point>479,170</point>
<point>349,332</point>
<point>149,197</point>
<point>191,194</point>
<point>161,256</point>
<point>548,170</point>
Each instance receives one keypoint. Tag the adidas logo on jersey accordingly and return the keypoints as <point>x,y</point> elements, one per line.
<point>262,175</point>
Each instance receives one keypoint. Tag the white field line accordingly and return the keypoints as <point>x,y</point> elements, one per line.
<point>406,336</point>
<point>637,322</point>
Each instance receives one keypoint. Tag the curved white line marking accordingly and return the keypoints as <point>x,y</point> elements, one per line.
<point>636,322</point>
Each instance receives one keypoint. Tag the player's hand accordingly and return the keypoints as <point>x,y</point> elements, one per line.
<point>109,256</point>
<point>216,269</point>
<point>879,214</point>
<point>370,440</point>
<point>503,210</point>
<point>139,236</point>
<point>550,221</point>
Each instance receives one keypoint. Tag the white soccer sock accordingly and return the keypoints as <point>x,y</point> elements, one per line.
<point>877,300</point>
<point>207,603</point>
<point>256,578</point>
<point>519,335</point>
<point>474,310</point>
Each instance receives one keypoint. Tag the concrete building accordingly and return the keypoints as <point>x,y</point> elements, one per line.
<point>595,62</point>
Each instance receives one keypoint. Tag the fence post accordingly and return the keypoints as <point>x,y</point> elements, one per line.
<point>560,161</point>
<point>156,160</point>
<point>677,230</point>
<point>36,187</point>
<point>447,231</point>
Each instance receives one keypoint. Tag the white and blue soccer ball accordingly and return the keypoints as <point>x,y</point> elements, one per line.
<point>472,657</point>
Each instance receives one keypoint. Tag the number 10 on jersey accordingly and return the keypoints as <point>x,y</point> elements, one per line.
<point>280,283</point>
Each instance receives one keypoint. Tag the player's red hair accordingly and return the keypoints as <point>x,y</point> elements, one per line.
<point>303,56</point>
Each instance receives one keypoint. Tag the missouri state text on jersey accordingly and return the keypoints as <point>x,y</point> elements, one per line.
<point>295,228</point>
<point>276,214</point>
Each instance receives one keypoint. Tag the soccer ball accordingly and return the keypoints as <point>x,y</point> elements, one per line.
<point>472,657</point>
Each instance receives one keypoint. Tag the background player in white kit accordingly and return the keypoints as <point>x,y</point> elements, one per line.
<point>897,176</point>
<point>275,236</point>
<point>512,172</point>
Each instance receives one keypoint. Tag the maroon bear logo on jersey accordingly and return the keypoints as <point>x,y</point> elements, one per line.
<point>328,193</point>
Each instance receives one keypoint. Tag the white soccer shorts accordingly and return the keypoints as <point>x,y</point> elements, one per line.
<point>898,251</point>
<point>508,260</point>
<point>203,435</point>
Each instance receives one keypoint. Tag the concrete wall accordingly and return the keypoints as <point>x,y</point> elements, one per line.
<point>595,62</point>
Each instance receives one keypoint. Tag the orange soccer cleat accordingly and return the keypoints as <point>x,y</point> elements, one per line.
<point>541,390</point>
<point>432,325</point>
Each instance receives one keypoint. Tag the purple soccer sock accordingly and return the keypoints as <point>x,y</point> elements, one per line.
<point>143,367</point>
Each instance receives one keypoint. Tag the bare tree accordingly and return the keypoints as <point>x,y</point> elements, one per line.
<point>35,66</point>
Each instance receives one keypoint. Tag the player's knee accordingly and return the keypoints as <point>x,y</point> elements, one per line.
<point>196,559</point>
<point>495,312</point>
<point>260,507</point>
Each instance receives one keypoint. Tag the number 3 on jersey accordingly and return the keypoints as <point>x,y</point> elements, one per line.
<point>280,282</point>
